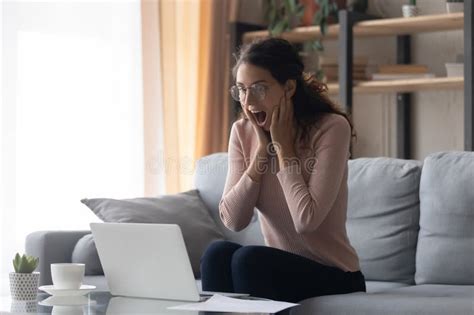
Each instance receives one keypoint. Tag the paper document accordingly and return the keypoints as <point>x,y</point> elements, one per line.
<point>220,303</point>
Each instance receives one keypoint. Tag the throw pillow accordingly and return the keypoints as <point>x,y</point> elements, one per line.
<point>185,209</point>
<point>85,252</point>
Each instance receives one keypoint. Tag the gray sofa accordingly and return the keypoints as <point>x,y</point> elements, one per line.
<point>411,222</point>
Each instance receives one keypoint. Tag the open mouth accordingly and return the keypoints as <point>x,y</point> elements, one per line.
<point>260,117</point>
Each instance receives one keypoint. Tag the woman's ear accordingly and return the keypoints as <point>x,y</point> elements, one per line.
<point>290,88</point>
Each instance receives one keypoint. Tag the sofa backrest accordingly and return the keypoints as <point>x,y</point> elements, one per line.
<point>382,216</point>
<point>445,253</point>
<point>209,179</point>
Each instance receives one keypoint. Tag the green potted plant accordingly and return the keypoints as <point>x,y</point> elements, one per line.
<point>410,9</point>
<point>24,281</point>
<point>453,6</point>
<point>283,15</point>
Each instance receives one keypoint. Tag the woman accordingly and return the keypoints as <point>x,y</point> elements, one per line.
<point>287,157</point>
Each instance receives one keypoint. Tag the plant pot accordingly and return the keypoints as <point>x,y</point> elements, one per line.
<point>453,7</point>
<point>24,286</point>
<point>409,10</point>
<point>18,306</point>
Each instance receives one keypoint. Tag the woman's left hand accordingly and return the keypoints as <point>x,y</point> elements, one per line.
<point>283,129</point>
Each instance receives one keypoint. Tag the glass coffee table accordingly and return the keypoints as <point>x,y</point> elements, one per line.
<point>95,303</point>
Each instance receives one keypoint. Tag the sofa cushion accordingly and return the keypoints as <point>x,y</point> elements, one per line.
<point>209,179</point>
<point>420,299</point>
<point>382,216</point>
<point>445,251</point>
<point>380,286</point>
<point>85,252</point>
<point>185,209</point>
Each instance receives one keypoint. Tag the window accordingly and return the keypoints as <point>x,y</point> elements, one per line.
<point>71,115</point>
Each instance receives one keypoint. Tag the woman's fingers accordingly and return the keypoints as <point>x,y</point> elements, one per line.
<point>282,109</point>
<point>275,115</point>
<point>250,116</point>
<point>263,138</point>
<point>286,110</point>
<point>289,106</point>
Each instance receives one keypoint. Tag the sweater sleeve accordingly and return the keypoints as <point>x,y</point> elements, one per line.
<point>310,203</point>
<point>240,195</point>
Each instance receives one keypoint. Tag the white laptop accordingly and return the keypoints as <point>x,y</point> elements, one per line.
<point>147,261</point>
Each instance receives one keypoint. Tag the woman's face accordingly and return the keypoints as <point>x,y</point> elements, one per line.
<point>259,92</point>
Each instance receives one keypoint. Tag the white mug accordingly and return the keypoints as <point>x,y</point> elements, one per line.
<point>67,276</point>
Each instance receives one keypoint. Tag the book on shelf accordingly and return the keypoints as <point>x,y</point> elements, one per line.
<point>334,60</point>
<point>363,77</point>
<point>334,71</point>
<point>405,68</point>
<point>400,76</point>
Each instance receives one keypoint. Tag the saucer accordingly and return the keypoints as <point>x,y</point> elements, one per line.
<point>67,301</point>
<point>83,290</point>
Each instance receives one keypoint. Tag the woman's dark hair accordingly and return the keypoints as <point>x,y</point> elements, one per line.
<point>282,60</point>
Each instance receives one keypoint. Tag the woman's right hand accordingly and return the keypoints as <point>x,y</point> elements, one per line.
<point>258,165</point>
<point>263,138</point>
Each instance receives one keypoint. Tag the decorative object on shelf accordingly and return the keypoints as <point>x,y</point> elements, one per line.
<point>410,9</point>
<point>453,6</point>
<point>455,69</point>
<point>24,281</point>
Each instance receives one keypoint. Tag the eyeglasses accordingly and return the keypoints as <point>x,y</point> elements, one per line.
<point>257,91</point>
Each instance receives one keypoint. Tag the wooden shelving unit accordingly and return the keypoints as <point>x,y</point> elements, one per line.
<point>353,25</point>
<point>382,27</point>
<point>404,86</point>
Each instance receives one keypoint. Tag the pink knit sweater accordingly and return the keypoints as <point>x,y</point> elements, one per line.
<point>302,208</point>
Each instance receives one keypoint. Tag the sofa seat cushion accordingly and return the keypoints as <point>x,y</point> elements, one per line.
<point>380,286</point>
<point>382,216</point>
<point>445,252</point>
<point>421,299</point>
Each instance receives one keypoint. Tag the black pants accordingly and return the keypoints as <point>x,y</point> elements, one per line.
<point>272,273</point>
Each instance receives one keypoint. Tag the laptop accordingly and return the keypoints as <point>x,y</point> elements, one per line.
<point>147,261</point>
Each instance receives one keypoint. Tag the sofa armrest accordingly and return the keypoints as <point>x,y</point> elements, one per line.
<point>51,247</point>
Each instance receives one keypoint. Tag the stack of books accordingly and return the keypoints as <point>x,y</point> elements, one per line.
<point>330,68</point>
<point>398,72</point>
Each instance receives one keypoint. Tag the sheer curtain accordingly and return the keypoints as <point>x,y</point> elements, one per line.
<point>71,115</point>
<point>213,112</point>
<point>179,45</point>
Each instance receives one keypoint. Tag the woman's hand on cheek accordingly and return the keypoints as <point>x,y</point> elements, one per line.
<point>282,128</point>
<point>262,137</point>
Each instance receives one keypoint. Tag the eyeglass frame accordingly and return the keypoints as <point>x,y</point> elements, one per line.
<point>251,87</point>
